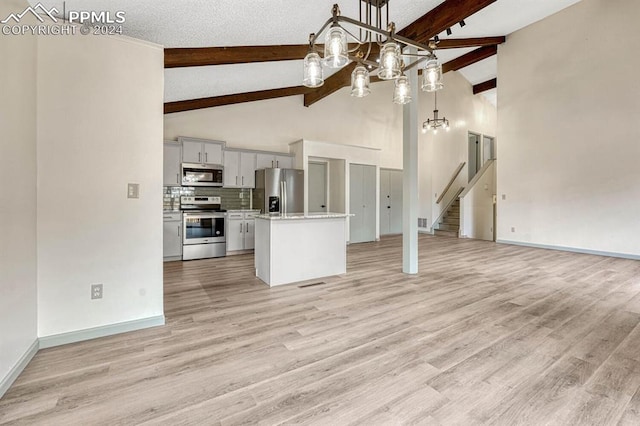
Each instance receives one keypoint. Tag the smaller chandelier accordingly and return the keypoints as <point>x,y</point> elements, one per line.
<point>436,122</point>
<point>312,70</point>
<point>336,54</point>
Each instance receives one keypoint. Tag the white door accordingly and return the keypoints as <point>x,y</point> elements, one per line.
<point>317,187</point>
<point>284,161</point>
<point>172,238</point>
<point>395,212</point>
<point>385,202</point>
<point>212,153</point>
<point>247,169</point>
<point>192,152</point>
<point>235,234</point>
<point>231,169</point>
<point>249,234</point>
<point>362,203</point>
<point>171,168</point>
<point>265,161</point>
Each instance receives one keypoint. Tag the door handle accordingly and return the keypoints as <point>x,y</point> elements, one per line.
<point>323,206</point>
<point>236,180</point>
<point>178,230</point>
<point>241,228</point>
<point>272,164</point>
<point>277,164</point>
<point>206,157</point>
<point>199,157</point>
<point>242,180</point>
<point>177,177</point>
<point>388,207</point>
<point>247,227</point>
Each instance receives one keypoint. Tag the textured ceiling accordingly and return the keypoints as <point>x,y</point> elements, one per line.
<point>200,23</point>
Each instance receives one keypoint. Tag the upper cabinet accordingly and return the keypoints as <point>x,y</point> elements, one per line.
<point>172,159</point>
<point>201,151</point>
<point>271,161</point>
<point>239,169</point>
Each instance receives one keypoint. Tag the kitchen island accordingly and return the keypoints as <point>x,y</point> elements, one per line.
<point>298,247</point>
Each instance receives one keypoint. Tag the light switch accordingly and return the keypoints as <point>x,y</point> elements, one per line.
<point>133,190</point>
<point>504,196</point>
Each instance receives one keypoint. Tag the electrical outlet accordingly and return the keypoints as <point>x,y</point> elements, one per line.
<point>504,196</point>
<point>241,195</point>
<point>513,229</point>
<point>96,291</point>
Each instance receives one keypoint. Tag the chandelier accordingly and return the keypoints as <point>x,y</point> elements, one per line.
<point>375,34</point>
<point>435,123</point>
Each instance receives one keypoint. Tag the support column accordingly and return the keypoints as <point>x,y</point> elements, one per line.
<point>410,176</point>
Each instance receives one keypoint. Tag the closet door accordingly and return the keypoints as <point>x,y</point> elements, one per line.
<point>362,203</point>
<point>369,203</point>
<point>395,195</point>
<point>355,203</point>
<point>385,202</point>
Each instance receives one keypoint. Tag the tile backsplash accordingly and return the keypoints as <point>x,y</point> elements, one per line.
<point>230,197</point>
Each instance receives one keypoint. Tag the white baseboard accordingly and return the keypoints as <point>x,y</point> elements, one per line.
<point>8,380</point>
<point>94,333</point>
<point>572,249</point>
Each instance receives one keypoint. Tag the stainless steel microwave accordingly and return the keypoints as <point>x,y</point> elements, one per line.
<point>201,174</point>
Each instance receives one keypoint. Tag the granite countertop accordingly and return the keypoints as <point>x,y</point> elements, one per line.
<point>295,216</point>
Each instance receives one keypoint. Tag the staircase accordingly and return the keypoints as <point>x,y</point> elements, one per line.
<point>449,225</point>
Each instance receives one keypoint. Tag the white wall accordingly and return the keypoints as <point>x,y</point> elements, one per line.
<point>18,322</point>
<point>568,130</point>
<point>476,205</point>
<point>440,154</point>
<point>374,122</point>
<point>99,128</point>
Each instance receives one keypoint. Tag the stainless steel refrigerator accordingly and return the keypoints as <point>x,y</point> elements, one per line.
<point>279,191</point>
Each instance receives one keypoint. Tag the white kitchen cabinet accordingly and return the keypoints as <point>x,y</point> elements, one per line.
<point>201,151</point>
<point>172,236</point>
<point>171,160</point>
<point>240,230</point>
<point>239,169</point>
<point>248,169</point>
<point>270,161</point>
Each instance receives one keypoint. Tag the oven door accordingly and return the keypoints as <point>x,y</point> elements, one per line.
<point>203,228</point>
<point>201,175</point>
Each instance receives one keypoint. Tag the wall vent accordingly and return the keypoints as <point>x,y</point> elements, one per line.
<point>422,222</point>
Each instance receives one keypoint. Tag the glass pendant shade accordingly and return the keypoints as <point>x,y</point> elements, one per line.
<point>432,76</point>
<point>390,61</point>
<point>335,48</point>
<point>312,70</point>
<point>360,82</point>
<point>401,93</point>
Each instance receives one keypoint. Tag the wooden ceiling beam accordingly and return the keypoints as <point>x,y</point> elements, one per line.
<point>236,98</point>
<point>204,56</point>
<point>469,58</point>
<point>445,15</point>
<point>485,85</point>
<point>458,43</point>
<point>201,56</point>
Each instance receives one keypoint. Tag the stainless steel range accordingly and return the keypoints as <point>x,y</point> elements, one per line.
<point>203,227</point>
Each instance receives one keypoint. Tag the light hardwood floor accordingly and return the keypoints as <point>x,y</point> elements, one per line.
<point>484,334</point>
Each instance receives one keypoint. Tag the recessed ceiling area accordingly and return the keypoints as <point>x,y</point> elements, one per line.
<point>205,23</point>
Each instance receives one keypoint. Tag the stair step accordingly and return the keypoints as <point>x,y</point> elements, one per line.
<point>451,220</point>
<point>442,233</point>
<point>448,227</point>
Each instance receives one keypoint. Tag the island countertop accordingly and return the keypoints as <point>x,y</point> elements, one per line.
<point>298,216</point>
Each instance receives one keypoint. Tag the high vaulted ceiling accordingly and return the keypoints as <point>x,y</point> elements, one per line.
<point>223,23</point>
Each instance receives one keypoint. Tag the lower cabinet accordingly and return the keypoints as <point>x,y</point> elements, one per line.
<point>172,236</point>
<point>240,230</point>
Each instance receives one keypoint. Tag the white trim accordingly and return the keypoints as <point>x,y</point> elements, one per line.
<point>572,249</point>
<point>15,371</point>
<point>102,331</point>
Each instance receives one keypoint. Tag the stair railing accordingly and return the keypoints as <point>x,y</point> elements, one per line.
<point>454,176</point>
